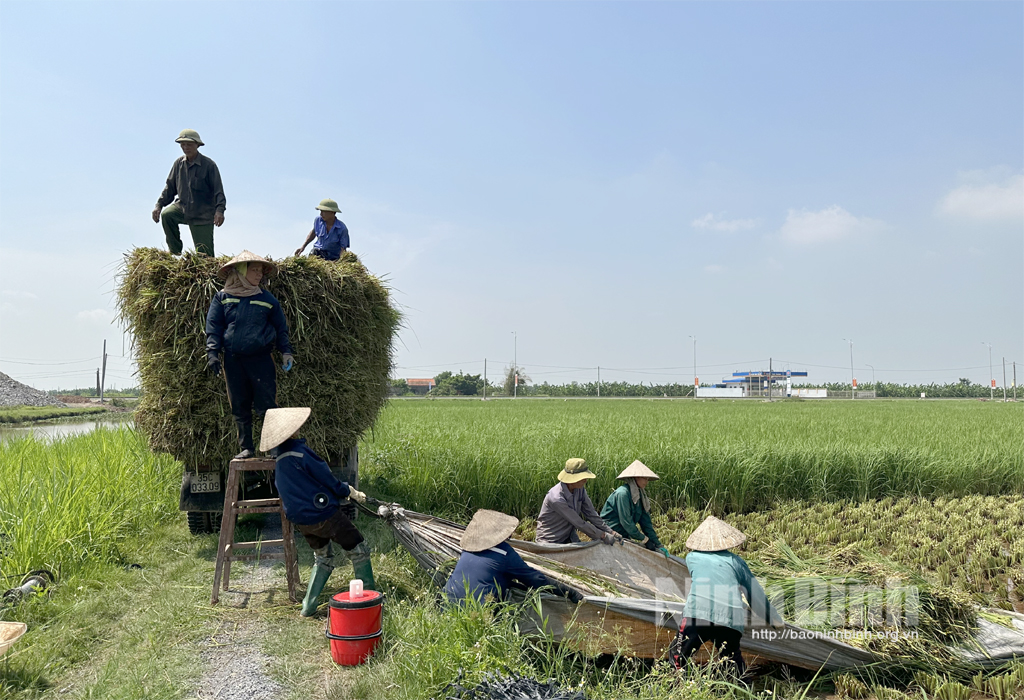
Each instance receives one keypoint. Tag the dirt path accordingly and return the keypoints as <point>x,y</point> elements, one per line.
<point>235,667</point>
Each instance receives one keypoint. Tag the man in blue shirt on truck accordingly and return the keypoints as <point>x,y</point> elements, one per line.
<point>330,232</point>
<point>312,497</point>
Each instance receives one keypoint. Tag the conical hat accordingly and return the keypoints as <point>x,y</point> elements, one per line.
<point>269,268</point>
<point>487,529</point>
<point>637,469</point>
<point>576,469</point>
<point>714,535</point>
<point>280,424</point>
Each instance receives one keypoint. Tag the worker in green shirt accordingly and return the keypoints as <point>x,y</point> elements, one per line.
<point>628,509</point>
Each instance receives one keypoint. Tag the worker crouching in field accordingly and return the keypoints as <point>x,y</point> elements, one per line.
<point>312,496</point>
<point>628,509</point>
<point>246,322</point>
<point>567,508</point>
<point>489,567</point>
<point>715,611</point>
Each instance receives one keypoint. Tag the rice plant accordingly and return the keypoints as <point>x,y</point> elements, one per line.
<point>456,456</point>
<point>67,502</point>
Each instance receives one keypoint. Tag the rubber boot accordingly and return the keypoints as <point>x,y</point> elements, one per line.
<point>317,580</point>
<point>361,567</point>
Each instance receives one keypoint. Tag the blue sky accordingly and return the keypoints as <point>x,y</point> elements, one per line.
<point>604,179</point>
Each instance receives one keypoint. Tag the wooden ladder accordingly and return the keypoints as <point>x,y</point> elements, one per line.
<point>232,509</point>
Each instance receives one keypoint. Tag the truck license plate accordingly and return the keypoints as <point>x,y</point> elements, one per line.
<point>205,482</point>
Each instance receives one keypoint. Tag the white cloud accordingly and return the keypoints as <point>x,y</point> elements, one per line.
<point>830,224</point>
<point>713,269</point>
<point>987,201</point>
<point>94,315</point>
<point>709,222</point>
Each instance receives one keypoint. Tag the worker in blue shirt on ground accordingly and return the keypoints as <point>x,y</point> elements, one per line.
<point>330,233</point>
<point>312,496</point>
<point>628,509</point>
<point>715,610</point>
<point>246,322</point>
<point>489,567</point>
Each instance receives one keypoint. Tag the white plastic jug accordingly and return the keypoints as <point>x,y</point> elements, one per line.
<point>355,588</point>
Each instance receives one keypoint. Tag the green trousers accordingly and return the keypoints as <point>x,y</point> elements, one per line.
<point>202,234</point>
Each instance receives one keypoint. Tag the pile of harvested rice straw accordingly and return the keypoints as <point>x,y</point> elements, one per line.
<point>342,325</point>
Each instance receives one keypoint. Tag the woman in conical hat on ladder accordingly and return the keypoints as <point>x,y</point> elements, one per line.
<point>715,611</point>
<point>246,322</point>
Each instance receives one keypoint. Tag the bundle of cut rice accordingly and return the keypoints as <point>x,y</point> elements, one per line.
<point>342,326</point>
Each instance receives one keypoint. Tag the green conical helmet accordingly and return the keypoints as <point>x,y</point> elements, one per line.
<point>189,135</point>
<point>328,205</point>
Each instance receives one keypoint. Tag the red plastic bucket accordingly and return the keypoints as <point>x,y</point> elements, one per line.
<point>353,626</point>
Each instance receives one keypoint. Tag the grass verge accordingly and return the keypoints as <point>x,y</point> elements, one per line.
<point>122,632</point>
<point>32,414</point>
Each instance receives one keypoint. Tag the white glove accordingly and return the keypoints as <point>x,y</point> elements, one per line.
<point>357,496</point>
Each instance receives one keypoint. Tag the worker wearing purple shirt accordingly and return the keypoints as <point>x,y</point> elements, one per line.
<point>567,508</point>
<point>330,233</point>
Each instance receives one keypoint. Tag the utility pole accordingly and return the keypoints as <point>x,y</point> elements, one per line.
<point>696,379</point>
<point>599,381</point>
<point>991,377</point>
<point>853,379</point>
<point>1004,380</point>
<point>103,380</point>
<point>1015,381</point>
<point>98,382</point>
<point>485,379</point>
<point>769,379</point>
<point>515,365</point>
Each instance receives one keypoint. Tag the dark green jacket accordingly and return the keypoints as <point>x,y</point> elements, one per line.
<point>198,189</point>
<point>629,519</point>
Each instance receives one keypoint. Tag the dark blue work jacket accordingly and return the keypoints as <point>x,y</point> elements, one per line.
<point>492,572</point>
<point>246,325</point>
<point>309,491</point>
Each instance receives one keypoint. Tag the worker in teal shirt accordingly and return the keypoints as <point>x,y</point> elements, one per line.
<point>715,610</point>
<point>628,509</point>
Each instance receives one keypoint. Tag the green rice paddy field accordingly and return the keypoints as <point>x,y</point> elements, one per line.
<point>930,493</point>
<point>725,456</point>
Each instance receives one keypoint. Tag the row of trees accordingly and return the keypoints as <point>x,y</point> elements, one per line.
<point>961,389</point>
<point>460,384</point>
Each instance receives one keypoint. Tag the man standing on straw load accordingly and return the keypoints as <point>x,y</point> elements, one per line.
<point>628,509</point>
<point>715,611</point>
<point>567,508</point>
<point>247,323</point>
<point>330,233</point>
<point>488,566</point>
<point>312,496</point>
<point>193,195</point>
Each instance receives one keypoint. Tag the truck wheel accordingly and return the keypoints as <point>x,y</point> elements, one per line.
<point>203,522</point>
